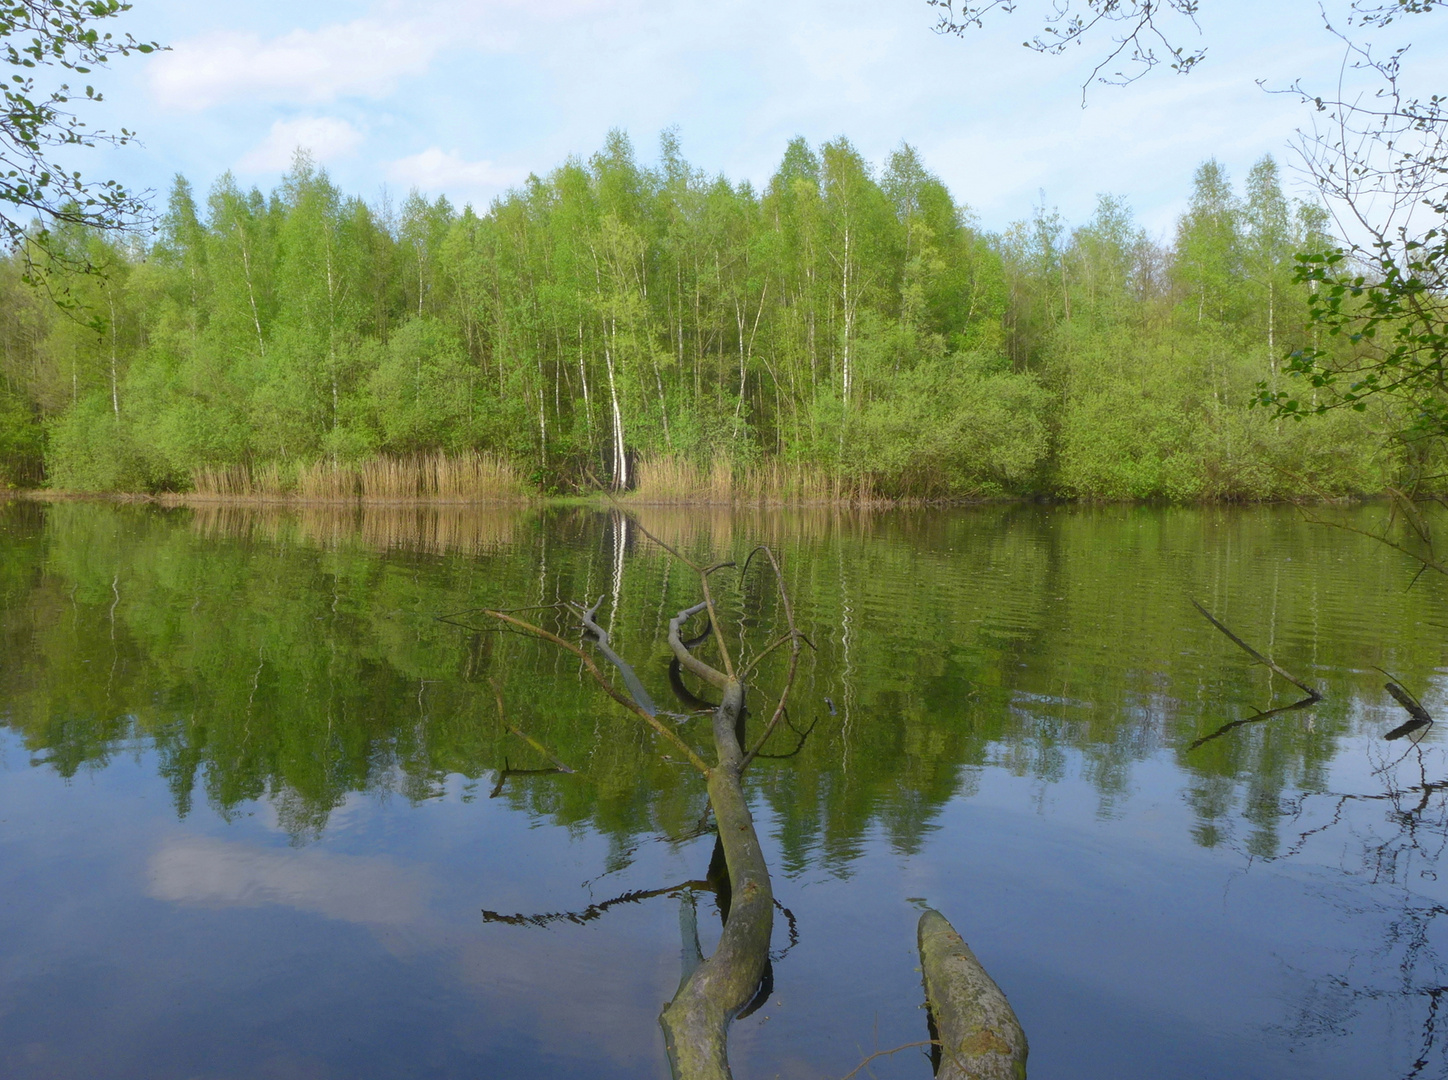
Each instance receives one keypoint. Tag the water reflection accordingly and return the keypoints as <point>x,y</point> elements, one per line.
<point>295,661</point>
<point>353,888</point>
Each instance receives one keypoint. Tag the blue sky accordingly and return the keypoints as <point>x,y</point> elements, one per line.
<point>466,97</point>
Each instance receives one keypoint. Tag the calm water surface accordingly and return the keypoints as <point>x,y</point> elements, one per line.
<point>259,816</point>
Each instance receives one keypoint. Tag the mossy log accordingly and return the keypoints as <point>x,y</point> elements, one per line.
<point>696,1021</point>
<point>979,1035</point>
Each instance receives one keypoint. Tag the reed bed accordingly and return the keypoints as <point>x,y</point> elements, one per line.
<point>470,477</point>
<point>436,478</point>
<point>239,482</point>
<point>667,480</point>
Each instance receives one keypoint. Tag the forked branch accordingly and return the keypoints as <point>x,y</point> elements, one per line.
<point>608,687</point>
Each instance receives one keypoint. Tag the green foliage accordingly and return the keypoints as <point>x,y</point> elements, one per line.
<point>22,440</point>
<point>848,323</point>
<point>91,451</point>
<point>419,387</point>
<point>1383,336</point>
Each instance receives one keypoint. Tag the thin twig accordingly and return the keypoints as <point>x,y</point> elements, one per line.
<point>887,1053</point>
<point>608,687</point>
<point>703,572</point>
<point>1431,563</point>
<point>593,911</point>
<point>534,743</point>
<point>794,650</point>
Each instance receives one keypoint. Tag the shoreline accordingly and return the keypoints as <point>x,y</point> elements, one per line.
<point>605,501</point>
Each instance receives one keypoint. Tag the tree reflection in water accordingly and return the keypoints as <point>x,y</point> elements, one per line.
<point>293,658</point>
<point>1392,835</point>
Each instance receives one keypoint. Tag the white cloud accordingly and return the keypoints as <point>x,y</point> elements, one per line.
<point>526,83</point>
<point>364,58</point>
<point>201,870</point>
<point>326,137</point>
<point>437,172</point>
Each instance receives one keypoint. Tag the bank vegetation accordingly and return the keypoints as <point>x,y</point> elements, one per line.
<point>846,333</point>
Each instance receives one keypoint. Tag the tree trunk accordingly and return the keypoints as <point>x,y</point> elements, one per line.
<point>979,1035</point>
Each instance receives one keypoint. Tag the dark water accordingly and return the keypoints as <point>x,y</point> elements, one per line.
<point>255,798</point>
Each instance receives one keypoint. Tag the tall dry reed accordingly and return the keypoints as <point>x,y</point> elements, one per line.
<point>670,479</point>
<point>327,481</point>
<point>464,478</point>
<point>240,483</point>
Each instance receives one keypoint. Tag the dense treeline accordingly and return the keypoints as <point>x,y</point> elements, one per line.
<point>848,324</point>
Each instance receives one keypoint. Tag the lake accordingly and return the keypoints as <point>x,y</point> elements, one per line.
<point>276,802</point>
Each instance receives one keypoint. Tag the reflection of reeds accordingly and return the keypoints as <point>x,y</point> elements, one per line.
<point>437,530</point>
<point>464,478</point>
<point>718,528</point>
<point>672,479</point>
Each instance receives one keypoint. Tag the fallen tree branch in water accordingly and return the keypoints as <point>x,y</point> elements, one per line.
<point>628,703</point>
<point>601,640</point>
<point>1256,718</point>
<point>976,1029</point>
<point>1418,717</point>
<point>1426,562</point>
<point>738,974</point>
<point>1312,698</point>
<point>506,771</point>
<point>558,765</point>
<point>592,911</point>
<point>1255,655</point>
<point>696,1021</point>
<point>795,637</point>
<point>803,738</point>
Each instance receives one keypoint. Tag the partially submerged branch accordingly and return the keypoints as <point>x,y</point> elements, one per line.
<point>1255,655</point>
<point>795,638</point>
<point>1312,698</point>
<point>508,771</point>
<point>713,991</point>
<point>1426,562</point>
<point>558,766</point>
<point>1418,717</point>
<point>601,639</point>
<point>593,911</point>
<point>977,1033</point>
<point>1255,718</point>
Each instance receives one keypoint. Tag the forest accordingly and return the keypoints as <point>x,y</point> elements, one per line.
<point>848,332</point>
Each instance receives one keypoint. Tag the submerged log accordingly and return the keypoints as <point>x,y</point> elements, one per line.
<point>977,1030</point>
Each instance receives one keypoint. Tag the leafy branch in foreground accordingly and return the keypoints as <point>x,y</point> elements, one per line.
<point>1380,303</point>
<point>35,120</point>
<point>1138,38</point>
